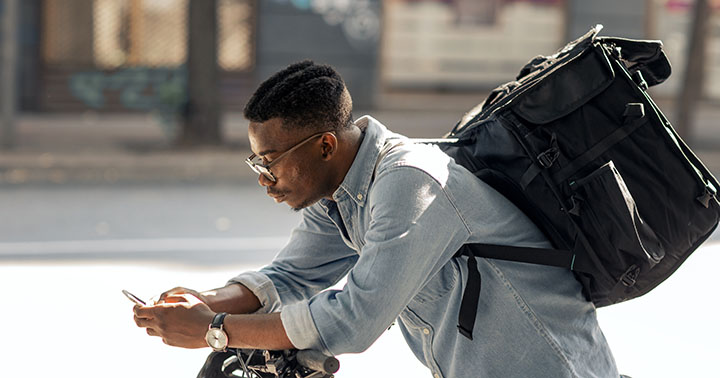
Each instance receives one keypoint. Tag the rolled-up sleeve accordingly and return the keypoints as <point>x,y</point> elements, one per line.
<point>263,288</point>
<point>414,230</point>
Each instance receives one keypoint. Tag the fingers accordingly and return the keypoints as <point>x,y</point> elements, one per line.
<point>191,299</point>
<point>174,298</point>
<point>144,318</point>
<point>177,324</point>
<point>144,312</point>
<point>173,293</point>
<point>144,323</point>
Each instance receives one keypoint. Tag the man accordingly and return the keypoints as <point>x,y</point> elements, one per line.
<point>390,215</point>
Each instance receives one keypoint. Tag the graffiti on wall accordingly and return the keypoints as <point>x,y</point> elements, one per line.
<point>159,90</point>
<point>138,88</point>
<point>358,19</point>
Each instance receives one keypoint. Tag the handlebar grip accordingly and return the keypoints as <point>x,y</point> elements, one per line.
<point>318,361</point>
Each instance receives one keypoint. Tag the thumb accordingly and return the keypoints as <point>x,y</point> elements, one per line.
<point>190,298</point>
<point>174,292</point>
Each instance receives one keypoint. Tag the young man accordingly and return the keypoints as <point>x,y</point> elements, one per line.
<point>390,215</point>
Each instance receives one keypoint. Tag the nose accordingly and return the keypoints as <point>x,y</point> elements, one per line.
<point>264,181</point>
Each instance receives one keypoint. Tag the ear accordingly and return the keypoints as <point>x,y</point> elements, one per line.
<point>329,144</point>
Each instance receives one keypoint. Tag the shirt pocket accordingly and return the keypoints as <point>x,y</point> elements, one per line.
<point>441,283</point>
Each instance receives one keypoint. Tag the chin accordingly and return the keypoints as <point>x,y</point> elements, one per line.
<point>302,205</point>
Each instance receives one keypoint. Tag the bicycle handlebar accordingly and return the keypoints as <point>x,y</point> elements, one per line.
<point>267,363</point>
<point>315,360</point>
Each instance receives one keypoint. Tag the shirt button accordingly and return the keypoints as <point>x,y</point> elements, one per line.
<point>426,331</point>
<point>360,197</point>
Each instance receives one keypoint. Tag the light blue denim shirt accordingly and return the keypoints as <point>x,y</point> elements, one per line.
<point>393,230</point>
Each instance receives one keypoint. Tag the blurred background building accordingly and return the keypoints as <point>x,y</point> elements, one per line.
<point>118,70</point>
<point>129,55</point>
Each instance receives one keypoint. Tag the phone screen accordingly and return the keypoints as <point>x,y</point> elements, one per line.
<point>134,298</point>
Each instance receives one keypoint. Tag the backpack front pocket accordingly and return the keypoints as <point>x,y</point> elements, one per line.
<point>607,214</point>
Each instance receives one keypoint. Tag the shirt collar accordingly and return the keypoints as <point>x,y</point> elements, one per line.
<point>356,183</point>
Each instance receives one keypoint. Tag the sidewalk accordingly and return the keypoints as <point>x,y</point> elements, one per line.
<point>95,147</point>
<point>108,148</point>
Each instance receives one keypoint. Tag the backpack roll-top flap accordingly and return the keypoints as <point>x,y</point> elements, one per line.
<point>566,88</point>
<point>644,56</point>
<point>538,65</point>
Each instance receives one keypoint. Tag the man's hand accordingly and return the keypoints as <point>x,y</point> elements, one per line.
<point>181,317</point>
<point>181,320</point>
<point>233,299</point>
<point>179,294</point>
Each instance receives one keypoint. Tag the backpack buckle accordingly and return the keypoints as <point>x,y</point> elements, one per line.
<point>709,193</point>
<point>548,157</point>
<point>577,202</point>
<point>630,277</point>
<point>640,80</point>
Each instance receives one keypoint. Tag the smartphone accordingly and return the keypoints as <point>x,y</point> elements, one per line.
<point>133,298</point>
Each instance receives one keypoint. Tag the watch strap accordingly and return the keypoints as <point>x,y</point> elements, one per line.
<point>218,320</point>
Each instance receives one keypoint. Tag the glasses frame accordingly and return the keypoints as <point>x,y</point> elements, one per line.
<point>264,169</point>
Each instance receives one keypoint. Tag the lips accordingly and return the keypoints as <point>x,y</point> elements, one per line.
<point>278,197</point>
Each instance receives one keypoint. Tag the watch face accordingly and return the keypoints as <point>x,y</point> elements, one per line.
<point>217,339</point>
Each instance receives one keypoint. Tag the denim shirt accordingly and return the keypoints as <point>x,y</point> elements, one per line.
<point>393,227</point>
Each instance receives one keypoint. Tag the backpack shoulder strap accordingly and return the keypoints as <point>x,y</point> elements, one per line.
<point>543,256</point>
<point>471,294</point>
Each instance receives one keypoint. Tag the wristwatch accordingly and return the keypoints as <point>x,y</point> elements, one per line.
<point>216,337</point>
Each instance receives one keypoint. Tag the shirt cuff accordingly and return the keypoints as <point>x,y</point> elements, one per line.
<point>262,287</point>
<point>300,327</point>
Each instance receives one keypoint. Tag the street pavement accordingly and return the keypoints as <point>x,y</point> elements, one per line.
<point>68,318</point>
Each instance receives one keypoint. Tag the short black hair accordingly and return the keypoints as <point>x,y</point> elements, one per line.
<point>304,94</point>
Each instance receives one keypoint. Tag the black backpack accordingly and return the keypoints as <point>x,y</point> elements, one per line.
<point>578,145</point>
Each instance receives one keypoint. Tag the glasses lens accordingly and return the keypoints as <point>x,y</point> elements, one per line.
<point>260,169</point>
<point>265,172</point>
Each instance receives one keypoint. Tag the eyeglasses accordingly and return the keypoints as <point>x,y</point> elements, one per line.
<point>264,169</point>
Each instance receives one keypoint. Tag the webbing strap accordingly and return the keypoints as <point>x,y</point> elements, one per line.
<point>595,151</point>
<point>470,298</point>
<point>634,115</point>
<point>542,256</point>
<point>471,294</point>
<point>529,175</point>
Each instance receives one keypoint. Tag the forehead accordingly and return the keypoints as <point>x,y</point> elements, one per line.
<point>269,136</point>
